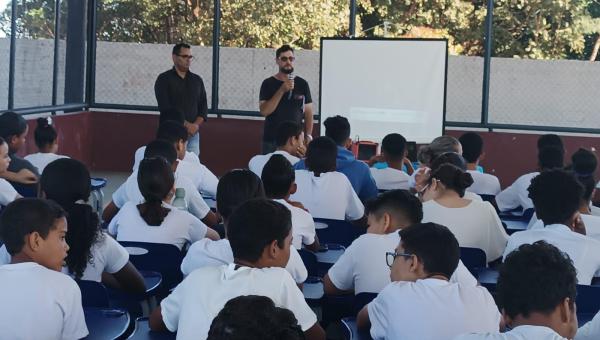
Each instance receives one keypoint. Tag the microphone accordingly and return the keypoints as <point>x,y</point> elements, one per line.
<point>290,77</point>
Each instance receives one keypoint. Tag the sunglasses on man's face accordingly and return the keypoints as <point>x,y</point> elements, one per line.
<point>285,59</point>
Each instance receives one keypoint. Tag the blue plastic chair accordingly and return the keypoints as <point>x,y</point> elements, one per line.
<point>588,302</point>
<point>142,332</point>
<point>351,331</point>
<point>310,262</point>
<point>96,194</point>
<point>362,299</point>
<point>337,231</point>
<point>93,294</point>
<point>473,259</point>
<point>106,323</point>
<point>488,278</point>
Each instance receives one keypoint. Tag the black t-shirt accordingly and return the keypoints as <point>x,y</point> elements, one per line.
<point>180,99</point>
<point>17,164</point>
<point>288,108</point>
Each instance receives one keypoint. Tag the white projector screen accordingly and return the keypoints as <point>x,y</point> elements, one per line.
<point>384,86</point>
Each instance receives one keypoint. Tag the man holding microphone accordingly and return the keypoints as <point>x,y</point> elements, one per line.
<point>284,97</point>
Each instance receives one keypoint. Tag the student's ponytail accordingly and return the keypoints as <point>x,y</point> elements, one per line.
<point>453,178</point>
<point>155,180</point>
<point>83,233</point>
<point>44,133</point>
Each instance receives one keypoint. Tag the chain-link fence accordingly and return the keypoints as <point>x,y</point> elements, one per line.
<point>4,66</point>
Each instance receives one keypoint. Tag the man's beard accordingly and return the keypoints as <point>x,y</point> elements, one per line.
<point>286,71</point>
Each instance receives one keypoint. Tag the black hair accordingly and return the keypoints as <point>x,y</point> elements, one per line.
<point>472,145</point>
<point>253,317</point>
<point>67,181</point>
<point>236,187</point>
<point>177,48</point>
<point>277,176</point>
<point>161,148</point>
<point>452,177</point>
<point>535,278</point>
<point>2,141</point>
<point>434,244</point>
<point>254,225</point>
<point>285,131</point>
<point>394,146</point>
<point>25,216</point>
<point>171,131</point>
<point>438,146</point>
<point>550,140</point>
<point>11,124</point>
<point>321,155</point>
<point>44,133</point>
<point>155,179</point>
<point>550,157</point>
<point>589,184</point>
<point>556,195</point>
<point>283,48</point>
<point>449,157</point>
<point>584,162</point>
<point>401,204</point>
<point>337,128</point>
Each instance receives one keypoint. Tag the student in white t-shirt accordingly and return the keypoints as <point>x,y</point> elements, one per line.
<point>7,192</point>
<point>130,191</point>
<point>483,184</point>
<point>421,303</point>
<point>474,223</point>
<point>427,154</point>
<point>259,232</point>
<point>46,141</point>
<point>38,301</point>
<point>325,192</point>
<point>393,153</point>
<point>289,139</point>
<point>174,132</point>
<point>550,156</point>
<point>155,220</point>
<point>536,289</point>
<point>556,195</point>
<point>235,188</point>
<point>278,178</point>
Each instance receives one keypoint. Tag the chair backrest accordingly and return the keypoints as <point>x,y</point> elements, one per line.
<point>588,299</point>
<point>337,231</point>
<point>159,257</point>
<point>473,258</point>
<point>363,299</point>
<point>310,262</point>
<point>142,332</point>
<point>527,214</point>
<point>93,294</point>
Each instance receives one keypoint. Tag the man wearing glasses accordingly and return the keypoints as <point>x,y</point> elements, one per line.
<point>284,97</point>
<point>181,95</point>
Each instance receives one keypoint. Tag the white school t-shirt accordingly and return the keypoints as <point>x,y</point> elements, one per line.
<point>303,225</point>
<point>130,192</point>
<point>208,253</point>
<point>477,225</point>
<point>524,332</point>
<point>178,228</point>
<point>484,184</point>
<point>584,251</point>
<point>107,256</point>
<point>363,268</point>
<point>39,303</point>
<point>139,155</point>
<point>591,222</point>
<point>390,179</point>
<point>190,309</point>
<point>328,196</point>
<point>591,330</point>
<point>257,163</point>
<point>7,192</point>
<point>41,160</point>
<point>432,309</point>
<point>516,195</point>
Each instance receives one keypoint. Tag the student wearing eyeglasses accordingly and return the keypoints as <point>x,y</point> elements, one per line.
<point>181,95</point>
<point>284,97</point>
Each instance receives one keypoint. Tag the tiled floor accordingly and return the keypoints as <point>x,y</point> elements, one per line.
<point>114,180</point>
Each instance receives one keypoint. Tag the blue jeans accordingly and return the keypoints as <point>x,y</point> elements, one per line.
<point>193,144</point>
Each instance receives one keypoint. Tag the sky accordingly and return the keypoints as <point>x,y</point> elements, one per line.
<point>3,5</point>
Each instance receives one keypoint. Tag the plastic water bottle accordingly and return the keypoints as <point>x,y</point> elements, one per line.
<point>179,201</point>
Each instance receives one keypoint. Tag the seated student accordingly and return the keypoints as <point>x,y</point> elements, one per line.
<point>235,188</point>
<point>130,190</point>
<point>338,129</point>
<point>325,192</point>
<point>93,255</point>
<point>7,192</point>
<point>393,153</point>
<point>550,156</point>
<point>483,184</point>
<point>289,138</point>
<point>459,161</point>
<point>259,232</point>
<point>427,154</point>
<point>278,178</point>
<point>189,163</point>
<point>21,174</point>
<point>556,196</point>
<point>360,269</point>
<point>536,291</point>
<point>254,317</point>
<point>155,220</point>
<point>421,303</point>
<point>47,143</point>
<point>474,223</point>
<point>38,302</point>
